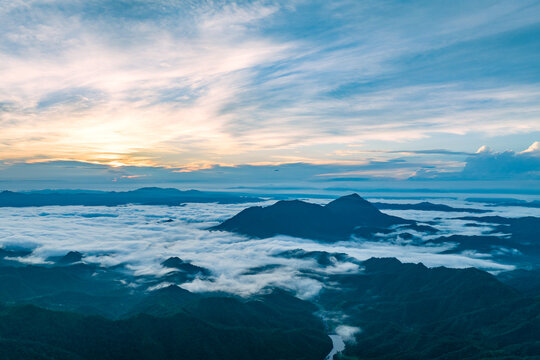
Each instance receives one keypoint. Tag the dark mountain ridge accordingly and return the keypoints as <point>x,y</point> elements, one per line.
<point>404,311</point>
<point>335,221</point>
<point>209,328</point>
<point>143,196</point>
<point>410,311</point>
<point>506,202</point>
<point>426,206</point>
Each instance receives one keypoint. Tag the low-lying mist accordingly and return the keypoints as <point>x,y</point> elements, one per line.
<point>140,238</point>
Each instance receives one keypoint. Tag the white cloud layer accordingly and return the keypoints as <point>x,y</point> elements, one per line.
<point>136,237</point>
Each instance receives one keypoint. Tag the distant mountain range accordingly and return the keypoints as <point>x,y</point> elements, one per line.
<point>143,196</point>
<point>426,206</point>
<point>337,220</point>
<point>172,197</point>
<point>506,202</point>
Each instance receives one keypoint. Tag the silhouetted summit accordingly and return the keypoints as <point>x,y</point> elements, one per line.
<point>354,211</point>
<point>179,264</point>
<point>70,258</point>
<point>333,222</point>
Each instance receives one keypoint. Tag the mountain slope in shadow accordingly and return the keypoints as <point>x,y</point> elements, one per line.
<point>410,311</point>
<point>400,311</point>
<point>276,326</point>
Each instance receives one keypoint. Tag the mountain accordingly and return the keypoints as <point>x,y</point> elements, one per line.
<point>335,221</point>
<point>70,258</point>
<point>409,311</point>
<point>480,243</point>
<point>181,272</point>
<point>399,311</point>
<point>143,196</point>
<point>526,281</point>
<point>523,235</point>
<point>85,288</point>
<point>184,266</point>
<point>323,258</point>
<point>163,302</point>
<point>136,323</point>
<point>276,326</point>
<point>426,206</point>
<point>506,202</point>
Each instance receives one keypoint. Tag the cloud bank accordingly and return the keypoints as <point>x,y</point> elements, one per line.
<point>508,167</point>
<point>487,164</point>
<point>137,238</point>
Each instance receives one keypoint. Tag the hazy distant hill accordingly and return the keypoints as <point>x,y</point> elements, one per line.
<point>143,196</point>
<point>506,202</point>
<point>426,206</point>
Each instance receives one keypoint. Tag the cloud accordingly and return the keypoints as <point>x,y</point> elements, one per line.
<point>193,84</point>
<point>483,149</point>
<point>503,165</point>
<point>375,166</point>
<point>135,237</point>
<point>487,165</point>
<point>71,174</point>
<point>429,152</point>
<point>533,149</point>
<point>348,333</point>
<point>110,98</point>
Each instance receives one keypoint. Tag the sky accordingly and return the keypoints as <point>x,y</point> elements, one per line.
<point>332,89</point>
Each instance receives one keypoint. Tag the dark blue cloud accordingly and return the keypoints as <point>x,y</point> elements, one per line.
<point>488,165</point>
<point>504,165</point>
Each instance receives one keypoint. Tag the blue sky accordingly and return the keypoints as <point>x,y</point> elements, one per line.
<point>368,89</point>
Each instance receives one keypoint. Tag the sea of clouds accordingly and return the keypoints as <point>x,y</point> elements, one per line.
<point>141,237</point>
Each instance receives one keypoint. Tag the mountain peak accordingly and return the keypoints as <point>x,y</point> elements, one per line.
<point>354,197</point>
<point>173,262</point>
<point>381,264</point>
<point>352,203</point>
<point>70,258</point>
<point>335,221</point>
<point>351,196</point>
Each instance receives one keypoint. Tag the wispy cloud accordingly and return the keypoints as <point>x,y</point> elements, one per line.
<point>190,84</point>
